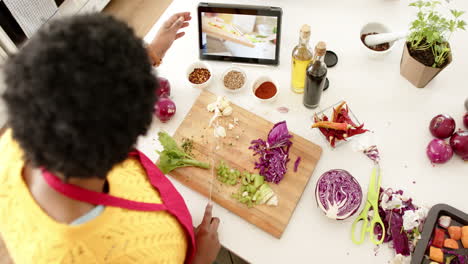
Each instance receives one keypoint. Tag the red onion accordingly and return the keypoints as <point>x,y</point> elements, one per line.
<point>442,126</point>
<point>165,109</point>
<point>459,143</point>
<point>439,151</point>
<point>465,119</point>
<point>164,89</point>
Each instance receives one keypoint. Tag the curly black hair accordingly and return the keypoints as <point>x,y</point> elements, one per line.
<point>79,94</point>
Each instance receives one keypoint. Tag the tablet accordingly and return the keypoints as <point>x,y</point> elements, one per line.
<point>239,33</point>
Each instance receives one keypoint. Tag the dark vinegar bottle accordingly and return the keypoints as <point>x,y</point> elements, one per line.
<point>315,77</point>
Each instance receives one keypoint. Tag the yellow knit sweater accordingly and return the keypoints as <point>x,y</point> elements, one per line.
<point>115,236</point>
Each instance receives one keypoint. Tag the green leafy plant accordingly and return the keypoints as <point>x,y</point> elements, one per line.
<point>173,157</point>
<point>432,30</point>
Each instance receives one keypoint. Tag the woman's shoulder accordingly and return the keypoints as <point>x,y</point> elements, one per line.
<point>8,145</point>
<point>129,180</point>
<point>11,156</point>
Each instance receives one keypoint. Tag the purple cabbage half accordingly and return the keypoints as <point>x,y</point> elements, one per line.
<point>338,194</point>
<point>273,153</point>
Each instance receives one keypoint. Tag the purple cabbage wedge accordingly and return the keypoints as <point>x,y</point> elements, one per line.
<point>273,153</point>
<point>400,238</point>
<point>338,194</point>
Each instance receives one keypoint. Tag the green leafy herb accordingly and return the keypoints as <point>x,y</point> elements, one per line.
<point>187,145</point>
<point>432,30</point>
<point>173,157</point>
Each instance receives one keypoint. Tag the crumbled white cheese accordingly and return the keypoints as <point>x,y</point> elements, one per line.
<point>230,126</point>
<point>217,148</point>
<point>400,259</point>
<point>410,220</point>
<point>236,120</point>
<point>388,204</point>
<point>219,131</point>
<point>422,212</point>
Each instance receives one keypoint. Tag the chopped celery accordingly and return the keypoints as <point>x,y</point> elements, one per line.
<point>253,189</point>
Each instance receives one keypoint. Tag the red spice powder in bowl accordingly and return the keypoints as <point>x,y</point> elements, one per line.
<point>265,89</point>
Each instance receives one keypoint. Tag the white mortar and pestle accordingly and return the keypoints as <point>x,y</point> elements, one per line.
<point>384,35</point>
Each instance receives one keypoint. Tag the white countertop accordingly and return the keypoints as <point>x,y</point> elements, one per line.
<point>386,102</point>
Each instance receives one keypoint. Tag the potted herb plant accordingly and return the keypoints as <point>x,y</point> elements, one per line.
<point>427,51</point>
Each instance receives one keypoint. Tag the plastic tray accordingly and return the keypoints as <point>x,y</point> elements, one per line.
<point>458,218</point>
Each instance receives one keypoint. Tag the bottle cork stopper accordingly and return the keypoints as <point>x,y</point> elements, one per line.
<point>321,48</point>
<point>305,31</point>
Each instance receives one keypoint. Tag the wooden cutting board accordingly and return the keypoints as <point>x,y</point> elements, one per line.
<point>234,150</point>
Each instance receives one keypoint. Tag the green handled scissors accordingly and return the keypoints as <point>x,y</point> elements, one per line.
<point>371,204</point>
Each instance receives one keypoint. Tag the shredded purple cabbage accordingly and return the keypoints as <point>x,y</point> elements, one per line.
<point>460,259</point>
<point>372,153</point>
<point>296,164</point>
<point>273,153</point>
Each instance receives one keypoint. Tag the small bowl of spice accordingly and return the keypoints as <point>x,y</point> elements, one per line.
<point>199,74</point>
<point>379,50</point>
<point>265,89</point>
<point>234,79</point>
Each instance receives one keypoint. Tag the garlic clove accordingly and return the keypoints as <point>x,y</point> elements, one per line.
<point>227,111</point>
<point>223,104</point>
<point>211,107</point>
<point>219,131</point>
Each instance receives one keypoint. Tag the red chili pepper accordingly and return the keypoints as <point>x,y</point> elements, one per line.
<point>331,125</point>
<point>337,111</point>
<point>348,119</point>
<point>439,238</point>
<point>325,132</point>
<point>339,134</point>
<point>356,131</point>
<point>332,142</point>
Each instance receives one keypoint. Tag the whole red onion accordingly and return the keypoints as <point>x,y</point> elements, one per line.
<point>165,109</point>
<point>442,126</point>
<point>465,119</point>
<point>164,89</point>
<point>439,151</point>
<point>459,144</point>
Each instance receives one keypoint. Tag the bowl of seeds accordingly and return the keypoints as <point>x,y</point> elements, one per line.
<point>234,79</point>
<point>199,74</point>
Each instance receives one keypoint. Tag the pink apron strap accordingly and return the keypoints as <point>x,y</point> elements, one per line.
<point>173,202</point>
<point>84,195</point>
<point>171,198</point>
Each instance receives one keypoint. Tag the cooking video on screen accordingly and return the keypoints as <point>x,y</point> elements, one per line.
<point>246,36</point>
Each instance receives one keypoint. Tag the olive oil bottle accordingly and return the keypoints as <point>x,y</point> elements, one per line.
<point>301,57</point>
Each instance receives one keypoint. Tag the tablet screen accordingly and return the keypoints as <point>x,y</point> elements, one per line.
<point>245,36</point>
